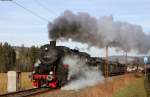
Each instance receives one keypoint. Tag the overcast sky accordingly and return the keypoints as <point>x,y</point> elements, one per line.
<point>18,26</point>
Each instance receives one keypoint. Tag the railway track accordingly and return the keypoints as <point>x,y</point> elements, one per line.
<point>26,93</point>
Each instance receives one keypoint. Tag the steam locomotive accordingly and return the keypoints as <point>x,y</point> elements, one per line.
<point>52,72</point>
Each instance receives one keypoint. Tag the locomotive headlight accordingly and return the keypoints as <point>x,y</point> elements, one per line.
<point>51,72</point>
<point>46,48</point>
<point>33,72</point>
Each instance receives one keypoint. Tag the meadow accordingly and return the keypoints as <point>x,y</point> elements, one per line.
<point>133,90</point>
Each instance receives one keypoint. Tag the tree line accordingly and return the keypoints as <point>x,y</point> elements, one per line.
<point>17,58</point>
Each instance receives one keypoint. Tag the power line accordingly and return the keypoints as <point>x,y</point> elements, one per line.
<point>44,7</point>
<point>33,13</point>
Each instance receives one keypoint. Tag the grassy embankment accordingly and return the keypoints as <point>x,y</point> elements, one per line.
<point>103,89</point>
<point>136,89</point>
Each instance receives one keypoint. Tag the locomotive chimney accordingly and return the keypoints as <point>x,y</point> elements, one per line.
<point>53,43</point>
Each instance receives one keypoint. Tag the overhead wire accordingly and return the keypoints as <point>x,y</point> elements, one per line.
<point>44,7</point>
<point>30,11</point>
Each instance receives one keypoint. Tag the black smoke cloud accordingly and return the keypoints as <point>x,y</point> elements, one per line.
<point>100,32</point>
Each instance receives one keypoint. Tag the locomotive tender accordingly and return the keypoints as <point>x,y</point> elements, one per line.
<point>51,72</point>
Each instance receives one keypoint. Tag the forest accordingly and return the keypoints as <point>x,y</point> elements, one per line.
<point>17,58</point>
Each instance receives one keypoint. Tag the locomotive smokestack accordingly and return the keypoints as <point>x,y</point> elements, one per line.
<point>53,43</point>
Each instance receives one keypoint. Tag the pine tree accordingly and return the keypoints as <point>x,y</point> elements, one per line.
<point>7,57</point>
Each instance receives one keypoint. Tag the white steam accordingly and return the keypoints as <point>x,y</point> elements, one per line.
<point>80,74</point>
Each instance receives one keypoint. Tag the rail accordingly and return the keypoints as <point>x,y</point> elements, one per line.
<point>26,93</point>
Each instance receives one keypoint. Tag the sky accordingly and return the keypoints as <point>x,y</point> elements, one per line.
<point>18,26</point>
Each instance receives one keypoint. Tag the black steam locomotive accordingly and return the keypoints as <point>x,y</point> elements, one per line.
<point>51,72</point>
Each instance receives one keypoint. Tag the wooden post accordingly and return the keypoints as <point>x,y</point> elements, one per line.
<point>18,80</point>
<point>18,77</point>
<point>126,60</point>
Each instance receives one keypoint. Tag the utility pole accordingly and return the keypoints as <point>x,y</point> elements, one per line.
<point>106,63</point>
<point>126,58</point>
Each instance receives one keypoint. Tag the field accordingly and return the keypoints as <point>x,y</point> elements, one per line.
<point>133,90</point>
<point>25,82</point>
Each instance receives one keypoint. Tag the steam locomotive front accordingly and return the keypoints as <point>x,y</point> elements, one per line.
<point>48,54</point>
<point>44,73</point>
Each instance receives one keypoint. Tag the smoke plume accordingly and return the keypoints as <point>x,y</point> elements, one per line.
<point>100,32</point>
<point>80,74</point>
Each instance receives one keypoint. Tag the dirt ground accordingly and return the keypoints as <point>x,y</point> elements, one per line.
<point>103,89</point>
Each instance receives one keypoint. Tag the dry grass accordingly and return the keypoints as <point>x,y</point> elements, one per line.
<point>103,89</point>
<point>3,82</point>
<point>25,82</point>
<point>136,89</point>
<point>108,87</point>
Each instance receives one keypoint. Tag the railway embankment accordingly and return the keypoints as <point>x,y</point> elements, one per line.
<point>108,88</point>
